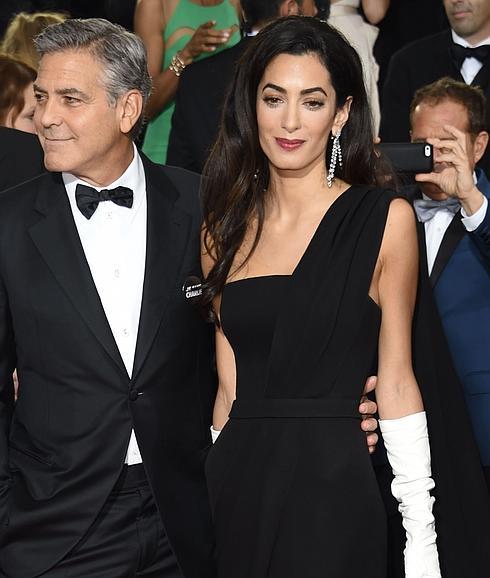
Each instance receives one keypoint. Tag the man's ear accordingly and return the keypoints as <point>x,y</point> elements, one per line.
<point>341,116</point>
<point>131,105</point>
<point>479,145</point>
<point>289,8</point>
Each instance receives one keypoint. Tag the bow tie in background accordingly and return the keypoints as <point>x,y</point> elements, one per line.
<point>459,53</point>
<point>427,208</point>
<point>88,198</point>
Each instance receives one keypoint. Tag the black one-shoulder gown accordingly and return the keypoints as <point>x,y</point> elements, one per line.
<point>292,489</point>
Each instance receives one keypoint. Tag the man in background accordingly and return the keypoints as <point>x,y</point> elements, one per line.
<point>461,53</point>
<point>454,221</point>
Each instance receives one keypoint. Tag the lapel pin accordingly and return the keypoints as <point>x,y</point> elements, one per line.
<point>192,287</point>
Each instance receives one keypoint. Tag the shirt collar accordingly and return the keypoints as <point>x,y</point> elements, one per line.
<point>462,42</point>
<point>133,177</point>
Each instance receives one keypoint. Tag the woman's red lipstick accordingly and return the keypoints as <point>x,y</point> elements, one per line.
<point>289,144</point>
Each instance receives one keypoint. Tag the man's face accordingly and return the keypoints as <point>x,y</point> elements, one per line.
<point>428,122</point>
<point>79,130</point>
<point>470,19</point>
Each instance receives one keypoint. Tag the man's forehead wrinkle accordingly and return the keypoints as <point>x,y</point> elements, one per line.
<point>59,83</point>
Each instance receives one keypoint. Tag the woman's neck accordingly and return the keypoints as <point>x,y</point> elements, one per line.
<point>292,193</point>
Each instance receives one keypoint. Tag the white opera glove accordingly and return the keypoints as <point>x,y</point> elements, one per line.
<point>407,445</point>
<point>214,434</point>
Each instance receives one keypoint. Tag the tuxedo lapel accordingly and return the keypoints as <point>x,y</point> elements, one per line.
<point>422,248</point>
<point>442,61</point>
<point>453,235</point>
<point>168,229</point>
<point>57,240</point>
<point>482,79</point>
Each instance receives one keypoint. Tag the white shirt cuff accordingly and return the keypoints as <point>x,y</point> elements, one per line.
<point>473,221</point>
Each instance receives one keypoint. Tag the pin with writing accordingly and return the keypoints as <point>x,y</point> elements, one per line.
<point>192,287</point>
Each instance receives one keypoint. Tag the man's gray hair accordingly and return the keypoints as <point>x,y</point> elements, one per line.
<point>121,54</point>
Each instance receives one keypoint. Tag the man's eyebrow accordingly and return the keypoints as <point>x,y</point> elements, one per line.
<point>64,92</point>
<point>283,90</point>
<point>419,140</point>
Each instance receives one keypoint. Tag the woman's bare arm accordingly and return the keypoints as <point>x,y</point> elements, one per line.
<point>225,358</point>
<point>149,24</point>
<point>397,392</point>
<point>150,20</point>
<point>225,361</point>
<point>375,10</point>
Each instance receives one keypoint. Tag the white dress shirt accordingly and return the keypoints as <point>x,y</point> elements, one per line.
<point>471,66</point>
<point>436,227</point>
<point>114,242</point>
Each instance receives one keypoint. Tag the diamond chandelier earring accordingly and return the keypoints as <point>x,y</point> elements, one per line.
<point>336,156</point>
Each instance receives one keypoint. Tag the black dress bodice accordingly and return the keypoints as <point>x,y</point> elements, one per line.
<point>249,309</point>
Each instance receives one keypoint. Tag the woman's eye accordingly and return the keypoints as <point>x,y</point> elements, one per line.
<point>272,100</point>
<point>314,104</point>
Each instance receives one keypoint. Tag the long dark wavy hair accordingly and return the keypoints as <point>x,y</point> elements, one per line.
<point>236,175</point>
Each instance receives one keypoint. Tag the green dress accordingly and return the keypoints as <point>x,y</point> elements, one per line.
<point>186,15</point>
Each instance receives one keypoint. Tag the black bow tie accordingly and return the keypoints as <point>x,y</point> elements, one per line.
<point>88,198</point>
<point>459,53</point>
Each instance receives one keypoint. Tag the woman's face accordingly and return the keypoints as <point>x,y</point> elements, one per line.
<point>24,120</point>
<point>296,111</point>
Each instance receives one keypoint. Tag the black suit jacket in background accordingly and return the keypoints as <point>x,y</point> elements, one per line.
<point>21,157</point>
<point>63,444</point>
<point>414,66</point>
<point>198,106</point>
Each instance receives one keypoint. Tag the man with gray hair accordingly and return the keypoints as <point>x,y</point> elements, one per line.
<point>101,457</point>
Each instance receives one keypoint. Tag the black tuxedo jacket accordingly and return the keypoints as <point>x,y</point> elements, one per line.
<point>21,157</point>
<point>63,443</point>
<point>198,106</point>
<point>414,66</point>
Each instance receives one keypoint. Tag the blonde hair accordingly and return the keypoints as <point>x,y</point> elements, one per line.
<point>18,41</point>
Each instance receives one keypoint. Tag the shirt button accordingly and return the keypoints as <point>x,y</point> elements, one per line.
<point>125,332</point>
<point>116,273</point>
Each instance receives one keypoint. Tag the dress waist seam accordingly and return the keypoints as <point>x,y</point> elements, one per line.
<point>294,407</point>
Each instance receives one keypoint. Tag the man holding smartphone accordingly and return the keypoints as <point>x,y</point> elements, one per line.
<point>461,52</point>
<point>454,220</point>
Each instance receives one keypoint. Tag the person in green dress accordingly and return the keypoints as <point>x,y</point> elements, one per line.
<point>177,33</point>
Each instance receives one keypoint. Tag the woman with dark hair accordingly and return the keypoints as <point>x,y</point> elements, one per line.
<point>17,100</point>
<point>309,290</point>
